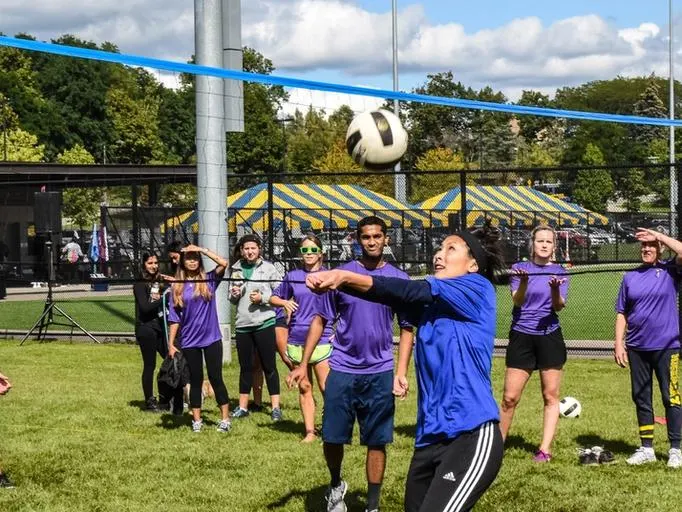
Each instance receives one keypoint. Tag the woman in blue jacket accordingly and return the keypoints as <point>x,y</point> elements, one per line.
<point>459,447</point>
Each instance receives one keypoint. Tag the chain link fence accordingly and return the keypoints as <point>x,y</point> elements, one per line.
<point>596,245</point>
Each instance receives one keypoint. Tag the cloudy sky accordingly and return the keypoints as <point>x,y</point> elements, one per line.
<point>511,46</point>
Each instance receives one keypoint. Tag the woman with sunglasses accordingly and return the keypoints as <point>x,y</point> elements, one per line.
<point>301,305</point>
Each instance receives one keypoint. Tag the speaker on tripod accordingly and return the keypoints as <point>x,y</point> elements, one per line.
<point>48,219</point>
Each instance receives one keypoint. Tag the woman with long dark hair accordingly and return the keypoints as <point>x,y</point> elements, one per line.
<point>194,314</point>
<point>253,281</point>
<point>149,325</point>
<point>301,305</point>
<point>458,442</point>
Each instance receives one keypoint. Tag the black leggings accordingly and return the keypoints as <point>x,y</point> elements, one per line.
<point>263,342</point>
<point>664,364</point>
<point>213,355</point>
<point>151,342</point>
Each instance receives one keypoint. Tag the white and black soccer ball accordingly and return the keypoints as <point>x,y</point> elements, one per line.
<point>376,139</point>
<point>569,407</point>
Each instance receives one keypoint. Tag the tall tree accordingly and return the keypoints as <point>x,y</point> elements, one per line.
<point>531,126</point>
<point>593,187</point>
<point>81,205</point>
<point>424,184</point>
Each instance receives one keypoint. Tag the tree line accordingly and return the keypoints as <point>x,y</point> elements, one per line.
<point>68,110</point>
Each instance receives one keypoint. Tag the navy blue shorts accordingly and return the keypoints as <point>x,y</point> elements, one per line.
<point>367,397</point>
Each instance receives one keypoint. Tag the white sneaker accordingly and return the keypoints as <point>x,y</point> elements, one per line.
<point>675,458</point>
<point>335,497</point>
<point>643,455</point>
<point>196,426</point>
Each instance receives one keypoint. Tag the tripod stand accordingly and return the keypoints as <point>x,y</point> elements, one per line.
<point>47,318</point>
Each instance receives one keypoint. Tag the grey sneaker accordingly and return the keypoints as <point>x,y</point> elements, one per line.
<point>276,414</point>
<point>675,458</point>
<point>642,456</point>
<point>240,413</point>
<point>224,426</point>
<point>335,497</point>
<point>196,426</point>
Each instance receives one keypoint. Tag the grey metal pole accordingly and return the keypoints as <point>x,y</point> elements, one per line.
<point>233,59</point>
<point>399,181</point>
<point>671,111</point>
<point>210,143</point>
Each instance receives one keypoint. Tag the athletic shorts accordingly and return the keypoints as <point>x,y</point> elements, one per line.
<point>536,351</point>
<point>321,352</point>
<point>281,321</point>
<point>369,398</point>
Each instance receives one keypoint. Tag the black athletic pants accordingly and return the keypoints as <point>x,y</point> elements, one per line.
<point>213,355</point>
<point>151,342</point>
<point>665,364</point>
<point>452,475</point>
<point>263,342</point>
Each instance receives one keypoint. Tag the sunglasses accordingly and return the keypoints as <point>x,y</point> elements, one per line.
<point>310,250</point>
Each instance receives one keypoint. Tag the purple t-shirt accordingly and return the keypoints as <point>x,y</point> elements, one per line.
<point>198,318</point>
<point>536,315</point>
<point>363,343</point>
<point>648,299</point>
<point>309,304</point>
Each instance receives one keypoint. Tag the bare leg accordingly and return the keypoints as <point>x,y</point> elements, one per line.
<point>307,402</point>
<point>515,380</point>
<point>550,380</point>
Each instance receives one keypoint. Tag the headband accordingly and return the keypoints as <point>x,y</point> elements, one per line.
<point>476,249</point>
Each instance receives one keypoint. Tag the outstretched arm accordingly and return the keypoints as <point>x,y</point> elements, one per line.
<point>221,263</point>
<point>392,291</point>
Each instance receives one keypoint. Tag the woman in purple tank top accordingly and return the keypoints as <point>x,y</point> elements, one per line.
<point>301,306</point>
<point>539,290</point>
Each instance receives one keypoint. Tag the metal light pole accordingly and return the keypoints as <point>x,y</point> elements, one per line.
<point>671,111</point>
<point>399,182</point>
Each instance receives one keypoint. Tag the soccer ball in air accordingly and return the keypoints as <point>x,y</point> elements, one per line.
<point>569,407</point>
<point>376,139</point>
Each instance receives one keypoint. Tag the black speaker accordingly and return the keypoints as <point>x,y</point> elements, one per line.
<point>47,212</point>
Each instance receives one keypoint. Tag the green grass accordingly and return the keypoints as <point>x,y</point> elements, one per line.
<point>589,315</point>
<point>74,439</point>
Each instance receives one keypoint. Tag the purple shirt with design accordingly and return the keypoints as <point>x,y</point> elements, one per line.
<point>198,318</point>
<point>309,303</point>
<point>648,299</point>
<point>536,315</point>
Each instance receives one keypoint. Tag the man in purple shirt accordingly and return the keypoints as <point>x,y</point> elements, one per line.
<point>361,382</point>
<point>648,339</point>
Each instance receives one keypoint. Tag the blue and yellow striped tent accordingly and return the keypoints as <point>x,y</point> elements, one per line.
<point>308,206</point>
<point>508,205</point>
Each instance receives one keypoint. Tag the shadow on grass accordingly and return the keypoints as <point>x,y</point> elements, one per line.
<point>173,422</point>
<point>314,500</point>
<point>140,404</point>
<point>617,446</point>
<point>520,443</point>
<point>130,319</point>
<point>406,430</point>
<point>287,427</point>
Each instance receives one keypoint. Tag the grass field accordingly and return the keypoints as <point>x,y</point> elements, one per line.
<point>590,314</point>
<point>74,439</point>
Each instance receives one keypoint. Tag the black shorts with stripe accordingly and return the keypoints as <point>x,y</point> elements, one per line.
<point>452,475</point>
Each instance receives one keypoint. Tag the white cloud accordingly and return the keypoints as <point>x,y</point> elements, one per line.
<point>309,35</point>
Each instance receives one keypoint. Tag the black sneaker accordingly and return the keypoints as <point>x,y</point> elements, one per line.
<point>256,408</point>
<point>606,457</point>
<point>5,483</point>
<point>240,413</point>
<point>276,414</point>
<point>587,457</point>
<point>152,405</point>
